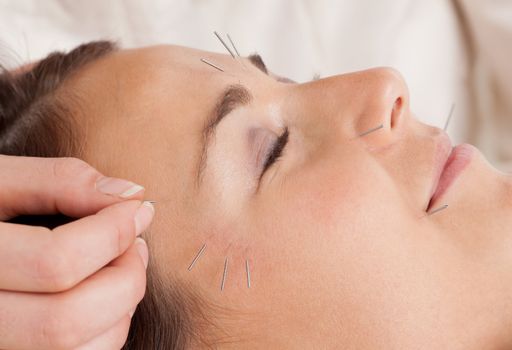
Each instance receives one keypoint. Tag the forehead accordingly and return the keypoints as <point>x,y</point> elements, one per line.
<point>178,74</point>
<point>185,65</point>
<point>166,85</point>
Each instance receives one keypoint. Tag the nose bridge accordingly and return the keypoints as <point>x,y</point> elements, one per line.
<point>362,100</point>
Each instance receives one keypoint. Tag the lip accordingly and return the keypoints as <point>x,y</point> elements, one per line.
<point>449,165</point>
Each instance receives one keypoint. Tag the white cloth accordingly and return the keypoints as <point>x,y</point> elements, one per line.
<point>428,41</point>
<point>489,25</point>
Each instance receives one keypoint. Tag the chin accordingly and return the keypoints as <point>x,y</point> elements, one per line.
<point>480,157</point>
<point>502,179</point>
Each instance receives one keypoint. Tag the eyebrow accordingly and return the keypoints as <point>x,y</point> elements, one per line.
<point>234,96</point>
<point>257,61</point>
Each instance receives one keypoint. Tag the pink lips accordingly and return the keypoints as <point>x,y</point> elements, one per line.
<point>457,161</point>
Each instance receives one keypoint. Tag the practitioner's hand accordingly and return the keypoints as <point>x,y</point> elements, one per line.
<point>76,286</point>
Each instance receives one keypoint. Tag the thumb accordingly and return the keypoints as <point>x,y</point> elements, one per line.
<point>34,186</point>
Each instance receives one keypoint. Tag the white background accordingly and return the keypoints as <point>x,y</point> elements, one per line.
<point>449,51</point>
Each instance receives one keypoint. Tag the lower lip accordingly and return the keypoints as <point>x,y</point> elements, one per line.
<point>459,159</point>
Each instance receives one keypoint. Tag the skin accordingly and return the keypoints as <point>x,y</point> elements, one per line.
<point>341,251</point>
<point>49,299</point>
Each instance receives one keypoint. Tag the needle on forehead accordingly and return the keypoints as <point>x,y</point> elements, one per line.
<point>224,44</point>
<point>237,53</point>
<point>211,64</point>
<point>449,117</point>
<point>233,44</point>
<point>371,130</point>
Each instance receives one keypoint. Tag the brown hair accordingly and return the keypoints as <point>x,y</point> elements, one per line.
<point>35,120</point>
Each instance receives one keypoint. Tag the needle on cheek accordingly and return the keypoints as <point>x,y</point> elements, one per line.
<point>371,130</point>
<point>198,255</point>
<point>248,273</point>
<point>449,117</point>
<point>224,275</point>
<point>432,212</point>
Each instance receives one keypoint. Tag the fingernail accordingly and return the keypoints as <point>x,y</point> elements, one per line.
<point>117,187</point>
<point>142,248</point>
<point>143,217</point>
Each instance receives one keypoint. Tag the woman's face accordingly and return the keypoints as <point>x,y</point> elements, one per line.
<point>334,228</point>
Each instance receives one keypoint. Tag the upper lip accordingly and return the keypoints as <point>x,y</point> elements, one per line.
<point>442,154</point>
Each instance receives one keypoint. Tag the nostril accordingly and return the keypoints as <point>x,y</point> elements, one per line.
<point>395,112</point>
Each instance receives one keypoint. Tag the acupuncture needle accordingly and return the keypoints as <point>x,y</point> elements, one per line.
<point>198,255</point>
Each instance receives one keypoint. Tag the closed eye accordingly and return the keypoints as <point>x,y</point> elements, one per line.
<point>276,151</point>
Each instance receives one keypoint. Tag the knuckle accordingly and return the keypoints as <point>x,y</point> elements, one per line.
<point>120,240</point>
<point>136,284</point>
<point>57,331</point>
<point>120,234</point>
<point>140,288</point>
<point>117,241</point>
<point>69,167</point>
<point>122,332</point>
<point>53,271</point>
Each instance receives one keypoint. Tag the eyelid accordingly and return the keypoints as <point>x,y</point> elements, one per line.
<point>261,141</point>
<point>276,151</point>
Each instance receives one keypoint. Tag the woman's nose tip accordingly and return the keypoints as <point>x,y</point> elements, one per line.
<point>387,98</point>
<point>395,94</point>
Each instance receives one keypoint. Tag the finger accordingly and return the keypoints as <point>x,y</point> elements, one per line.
<point>36,259</point>
<point>30,185</point>
<point>113,339</point>
<point>67,320</point>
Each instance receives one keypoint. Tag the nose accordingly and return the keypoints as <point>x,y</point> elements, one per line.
<point>361,101</point>
<point>384,100</point>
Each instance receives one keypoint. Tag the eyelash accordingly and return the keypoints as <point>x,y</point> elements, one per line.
<point>276,151</point>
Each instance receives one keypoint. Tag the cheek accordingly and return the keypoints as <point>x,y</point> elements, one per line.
<point>329,212</point>
<point>331,242</point>
<point>333,198</point>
